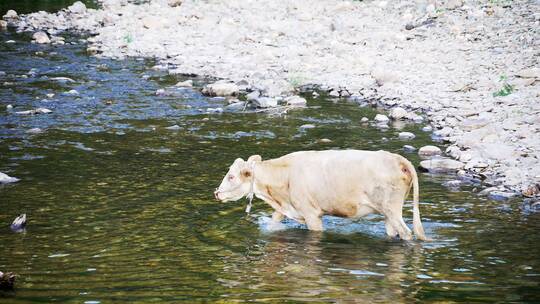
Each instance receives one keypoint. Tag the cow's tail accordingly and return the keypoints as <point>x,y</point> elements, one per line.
<point>418,229</point>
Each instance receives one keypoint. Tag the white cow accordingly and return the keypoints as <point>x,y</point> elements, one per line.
<point>350,183</point>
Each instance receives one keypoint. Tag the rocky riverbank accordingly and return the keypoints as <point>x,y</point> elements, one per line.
<point>470,67</point>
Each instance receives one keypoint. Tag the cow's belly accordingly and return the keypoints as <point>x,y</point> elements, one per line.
<point>352,209</point>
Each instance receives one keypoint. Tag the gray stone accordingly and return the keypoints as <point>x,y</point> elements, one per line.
<point>409,148</point>
<point>295,101</point>
<point>441,165</point>
<point>398,113</point>
<point>406,135</point>
<point>77,8</point>
<point>266,102</point>
<point>380,118</point>
<point>502,195</point>
<point>41,37</point>
<point>429,151</point>
<point>11,14</point>
<point>221,88</point>
<point>34,111</point>
<point>187,83</point>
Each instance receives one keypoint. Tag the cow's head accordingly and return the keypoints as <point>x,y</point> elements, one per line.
<point>237,182</point>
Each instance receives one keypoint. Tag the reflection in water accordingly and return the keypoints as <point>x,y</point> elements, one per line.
<point>120,205</point>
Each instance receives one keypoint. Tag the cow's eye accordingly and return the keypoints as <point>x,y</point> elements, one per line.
<point>231,177</point>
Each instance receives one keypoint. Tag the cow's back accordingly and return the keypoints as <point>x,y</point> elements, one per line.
<point>336,180</point>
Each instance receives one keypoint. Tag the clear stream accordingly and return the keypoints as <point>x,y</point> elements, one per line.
<point>121,208</point>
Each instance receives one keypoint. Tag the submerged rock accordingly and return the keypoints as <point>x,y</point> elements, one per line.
<point>6,179</point>
<point>34,111</point>
<point>265,102</point>
<point>441,165</point>
<point>19,224</point>
<point>409,148</point>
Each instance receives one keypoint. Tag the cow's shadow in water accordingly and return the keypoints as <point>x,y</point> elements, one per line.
<point>348,254</point>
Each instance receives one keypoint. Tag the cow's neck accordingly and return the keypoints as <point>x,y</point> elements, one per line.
<point>271,183</point>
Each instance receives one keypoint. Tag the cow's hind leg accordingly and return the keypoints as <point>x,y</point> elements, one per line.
<point>314,223</point>
<point>394,219</point>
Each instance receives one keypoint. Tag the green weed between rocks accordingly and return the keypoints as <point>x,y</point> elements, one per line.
<point>507,88</point>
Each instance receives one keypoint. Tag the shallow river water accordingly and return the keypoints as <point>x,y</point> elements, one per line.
<point>121,208</point>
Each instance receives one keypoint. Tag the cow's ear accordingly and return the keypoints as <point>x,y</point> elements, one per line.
<point>254,158</point>
<point>238,161</point>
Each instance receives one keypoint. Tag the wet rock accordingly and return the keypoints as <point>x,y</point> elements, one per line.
<point>221,88</point>
<point>215,110</point>
<point>334,93</point>
<point>187,83</point>
<point>11,14</point>
<point>34,111</point>
<point>325,140</point>
<point>6,179</point>
<point>9,107</point>
<point>77,8</point>
<point>441,165</point>
<point>429,151</point>
<point>173,127</point>
<point>7,281</point>
<point>406,135</point>
<point>364,119</point>
<point>34,131</point>
<point>295,101</point>
<point>409,148</point>
<point>427,129</point>
<point>41,38</point>
<point>453,183</point>
<point>236,105</point>
<point>266,102</point>
<point>398,113</point>
<point>19,224</point>
<point>306,126</point>
<point>72,92</point>
<point>380,118</point>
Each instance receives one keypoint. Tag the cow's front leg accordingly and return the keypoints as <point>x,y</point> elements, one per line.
<point>277,216</point>
<point>314,223</point>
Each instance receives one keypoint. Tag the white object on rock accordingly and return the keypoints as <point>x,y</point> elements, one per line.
<point>187,83</point>
<point>381,118</point>
<point>441,165</point>
<point>6,179</point>
<point>77,8</point>
<point>406,135</point>
<point>429,151</point>
<point>11,14</point>
<point>296,101</point>
<point>41,37</point>
<point>398,113</point>
<point>221,88</point>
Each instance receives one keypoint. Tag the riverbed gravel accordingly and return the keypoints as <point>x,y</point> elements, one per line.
<point>471,68</point>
